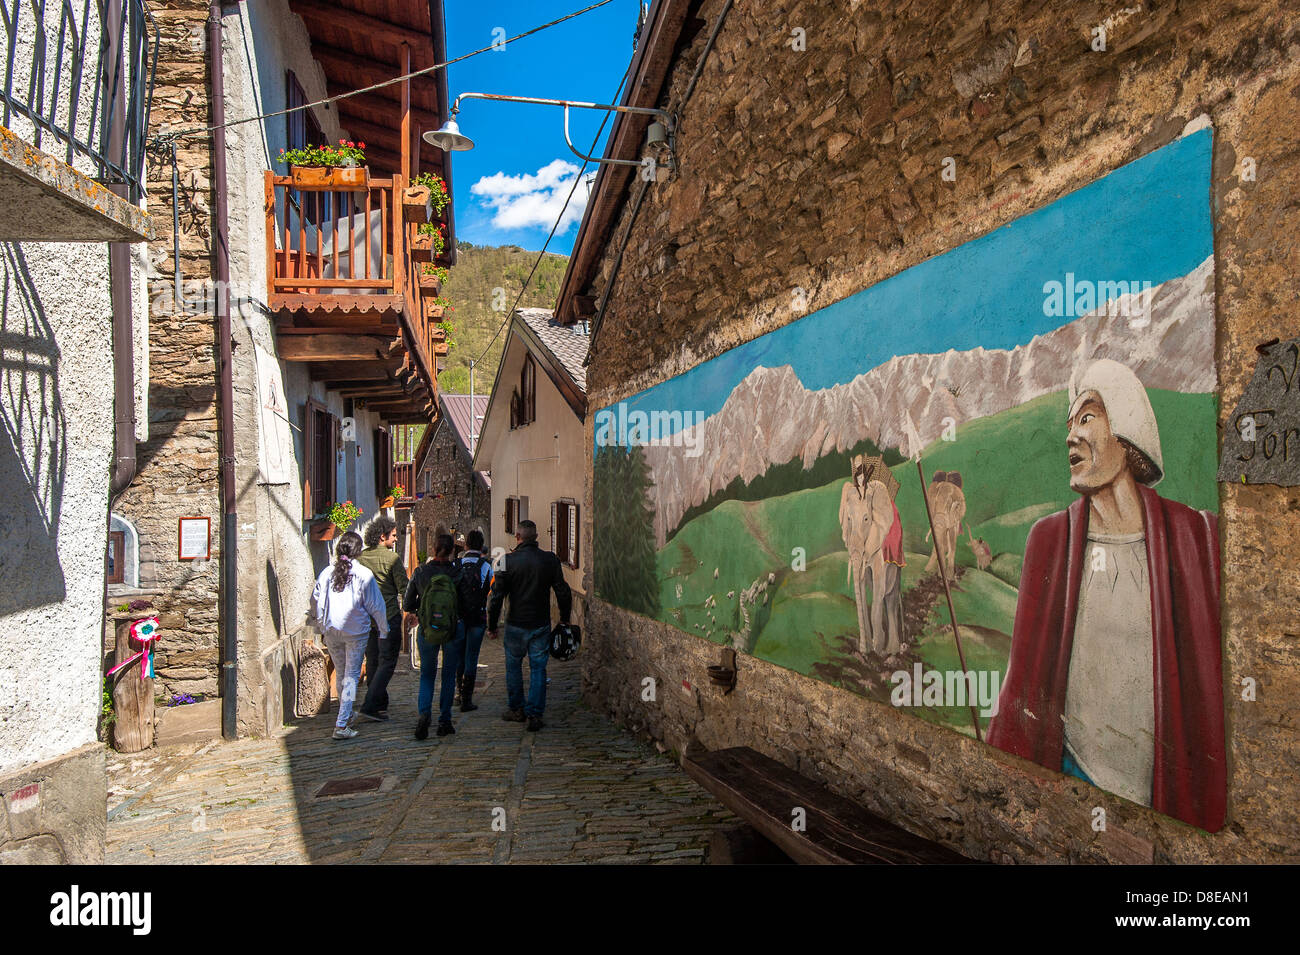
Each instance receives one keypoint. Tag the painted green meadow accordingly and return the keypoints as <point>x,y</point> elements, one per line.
<point>787,550</point>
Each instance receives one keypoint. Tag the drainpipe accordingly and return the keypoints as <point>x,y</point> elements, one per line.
<point>225,400</point>
<point>119,279</point>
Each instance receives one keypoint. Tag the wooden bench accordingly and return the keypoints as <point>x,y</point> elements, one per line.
<point>835,830</point>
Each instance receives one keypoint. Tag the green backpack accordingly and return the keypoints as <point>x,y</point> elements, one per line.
<point>438,610</point>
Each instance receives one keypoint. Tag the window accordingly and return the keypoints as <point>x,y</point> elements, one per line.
<point>116,557</point>
<point>516,511</point>
<point>301,129</point>
<point>384,464</point>
<point>564,531</point>
<point>320,438</point>
<point>528,391</point>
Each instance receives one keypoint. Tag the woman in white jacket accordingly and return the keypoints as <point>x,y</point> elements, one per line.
<point>347,598</point>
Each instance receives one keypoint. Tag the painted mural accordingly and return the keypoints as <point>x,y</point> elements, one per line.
<point>983,490</point>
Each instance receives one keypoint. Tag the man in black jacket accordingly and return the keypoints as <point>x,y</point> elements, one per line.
<point>528,577</point>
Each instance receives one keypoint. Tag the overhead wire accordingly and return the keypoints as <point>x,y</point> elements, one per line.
<point>558,219</point>
<point>204,130</point>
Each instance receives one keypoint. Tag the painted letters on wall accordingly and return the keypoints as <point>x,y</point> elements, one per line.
<point>1023,428</point>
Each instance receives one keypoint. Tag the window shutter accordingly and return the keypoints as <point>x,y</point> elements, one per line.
<point>573,535</point>
<point>555,526</point>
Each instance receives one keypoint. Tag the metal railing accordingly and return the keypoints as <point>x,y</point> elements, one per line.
<point>81,73</point>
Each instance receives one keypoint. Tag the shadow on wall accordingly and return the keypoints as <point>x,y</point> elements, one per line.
<point>33,443</point>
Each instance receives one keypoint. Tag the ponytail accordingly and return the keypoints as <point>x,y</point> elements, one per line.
<point>348,547</point>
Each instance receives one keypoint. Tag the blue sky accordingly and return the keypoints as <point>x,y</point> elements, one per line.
<point>510,187</point>
<point>1148,221</point>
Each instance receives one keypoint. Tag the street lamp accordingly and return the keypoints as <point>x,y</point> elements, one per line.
<point>659,134</point>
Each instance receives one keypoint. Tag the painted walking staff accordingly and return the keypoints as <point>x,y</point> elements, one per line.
<point>873,536</point>
<point>1115,673</point>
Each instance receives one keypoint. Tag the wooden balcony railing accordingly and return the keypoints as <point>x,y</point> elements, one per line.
<point>349,255</point>
<point>326,242</point>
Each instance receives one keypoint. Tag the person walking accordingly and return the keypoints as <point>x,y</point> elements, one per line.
<point>473,582</point>
<point>381,559</point>
<point>431,600</point>
<point>347,598</point>
<point>528,577</point>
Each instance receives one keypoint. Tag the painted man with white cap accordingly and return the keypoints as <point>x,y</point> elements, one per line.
<point>1115,674</point>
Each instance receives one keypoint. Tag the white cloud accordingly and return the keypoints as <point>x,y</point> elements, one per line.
<point>533,200</point>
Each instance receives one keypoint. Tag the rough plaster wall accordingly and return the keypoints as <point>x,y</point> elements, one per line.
<point>556,432</point>
<point>277,565</point>
<point>85,18</point>
<point>821,170</point>
<point>57,411</point>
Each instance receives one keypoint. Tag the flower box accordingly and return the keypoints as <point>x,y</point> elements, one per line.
<point>422,248</point>
<point>335,178</point>
<point>415,204</point>
<point>432,310</point>
<point>430,284</point>
<point>323,530</point>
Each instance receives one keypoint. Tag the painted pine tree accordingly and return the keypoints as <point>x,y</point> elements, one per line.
<point>624,569</point>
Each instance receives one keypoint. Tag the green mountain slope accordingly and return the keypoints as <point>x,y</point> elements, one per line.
<point>471,285</point>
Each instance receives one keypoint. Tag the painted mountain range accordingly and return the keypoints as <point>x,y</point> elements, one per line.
<point>770,418</point>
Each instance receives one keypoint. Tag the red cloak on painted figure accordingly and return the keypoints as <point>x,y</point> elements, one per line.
<point>1190,772</point>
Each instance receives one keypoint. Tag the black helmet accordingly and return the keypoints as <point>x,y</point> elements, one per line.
<point>565,640</point>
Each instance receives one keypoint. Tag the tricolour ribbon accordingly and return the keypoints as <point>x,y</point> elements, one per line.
<point>144,632</point>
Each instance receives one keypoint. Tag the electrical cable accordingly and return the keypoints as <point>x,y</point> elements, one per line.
<point>203,130</point>
<point>577,179</point>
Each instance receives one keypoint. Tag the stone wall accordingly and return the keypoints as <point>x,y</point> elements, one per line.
<point>449,501</point>
<point>819,170</point>
<point>177,471</point>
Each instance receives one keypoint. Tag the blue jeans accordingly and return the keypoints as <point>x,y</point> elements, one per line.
<point>347,650</point>
<point>473,644</point>
<point>451,654</point>
<point>536,645</point>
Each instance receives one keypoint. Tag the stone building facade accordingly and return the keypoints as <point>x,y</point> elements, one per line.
<point>451,494</point>
<point>177,472</point>
<point>269,66</point>
<point>811,160</point>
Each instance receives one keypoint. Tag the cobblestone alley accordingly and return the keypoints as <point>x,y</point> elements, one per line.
<point>581,790</point>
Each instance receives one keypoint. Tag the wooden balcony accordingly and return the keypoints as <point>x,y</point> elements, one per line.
<point>346,294</point>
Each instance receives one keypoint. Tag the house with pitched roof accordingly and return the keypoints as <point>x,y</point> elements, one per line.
<point>532,439</point>
<point>449,494</point>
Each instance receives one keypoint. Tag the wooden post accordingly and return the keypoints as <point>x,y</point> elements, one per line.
<point>405,65</point>
<point>132,696</point>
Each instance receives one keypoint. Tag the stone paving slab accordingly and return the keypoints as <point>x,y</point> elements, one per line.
<point>580,791</point>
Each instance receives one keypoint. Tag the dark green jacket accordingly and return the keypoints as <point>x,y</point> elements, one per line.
<point>389,572</point>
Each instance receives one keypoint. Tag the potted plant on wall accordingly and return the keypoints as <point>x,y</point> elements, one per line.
<point>342,167</point>
<point>425,198</point>
<point>429,242</point>
<point>433,277</point>
<point>338,520</point>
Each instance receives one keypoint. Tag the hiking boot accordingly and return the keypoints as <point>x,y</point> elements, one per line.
<point>467,704</point>
<point>535,723</point>
<point>344,732</point>
<point>422,728</point>
<point>513,716</point>
<point>445,729</point>
<point>380,717</point>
